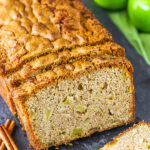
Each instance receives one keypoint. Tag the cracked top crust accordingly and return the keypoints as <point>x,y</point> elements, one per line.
<point>31,28</point>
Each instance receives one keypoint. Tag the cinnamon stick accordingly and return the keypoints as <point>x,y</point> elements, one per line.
<point>11,127</point>
<point>9,143</point>
<point>10,130</point>
<point>7,123</point>
<point>5,139</point>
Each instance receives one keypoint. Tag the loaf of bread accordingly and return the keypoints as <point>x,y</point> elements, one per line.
<point>60,71</point>
<point>135,138</point>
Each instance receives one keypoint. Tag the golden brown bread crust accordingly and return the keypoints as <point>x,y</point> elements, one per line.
<point>32,28</point>
<point>79,70</point>
<point>123,133</point>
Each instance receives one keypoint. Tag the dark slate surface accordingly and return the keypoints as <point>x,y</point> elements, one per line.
<point>142,96</point>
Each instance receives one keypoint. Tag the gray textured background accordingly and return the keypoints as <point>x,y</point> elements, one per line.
<point>142,90</point>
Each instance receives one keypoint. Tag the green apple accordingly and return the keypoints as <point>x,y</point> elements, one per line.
<point>112,4</point>
<point>139,13</point>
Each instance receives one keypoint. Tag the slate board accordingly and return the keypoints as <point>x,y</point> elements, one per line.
<point>142,93</point>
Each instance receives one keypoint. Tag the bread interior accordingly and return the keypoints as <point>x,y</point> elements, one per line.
<point>77,107</point>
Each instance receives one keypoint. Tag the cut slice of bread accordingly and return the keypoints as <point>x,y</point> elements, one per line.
<point>79,99</point>
<point>61,72</point>
<point>135,138</point>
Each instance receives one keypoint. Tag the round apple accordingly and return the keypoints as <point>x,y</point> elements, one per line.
<point>139,13</point>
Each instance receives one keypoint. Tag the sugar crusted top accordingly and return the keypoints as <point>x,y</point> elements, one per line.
<point>31,28</point>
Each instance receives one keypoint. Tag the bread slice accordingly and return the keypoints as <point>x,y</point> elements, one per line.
<point>61,72</point>
<point>135,138</point>
<point>79,99</point>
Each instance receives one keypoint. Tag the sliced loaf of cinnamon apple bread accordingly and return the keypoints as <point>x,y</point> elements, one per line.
<point>61,72</point>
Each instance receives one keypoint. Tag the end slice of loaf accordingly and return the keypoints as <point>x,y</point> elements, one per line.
<point>135,138</point>
<point>80,99</point>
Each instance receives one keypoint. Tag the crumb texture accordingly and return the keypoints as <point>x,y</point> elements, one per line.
<point>76,107</point>
<point>137,138</point>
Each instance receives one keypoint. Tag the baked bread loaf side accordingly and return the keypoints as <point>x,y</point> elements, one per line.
<point>61,72</point>
<point>135,138</point>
